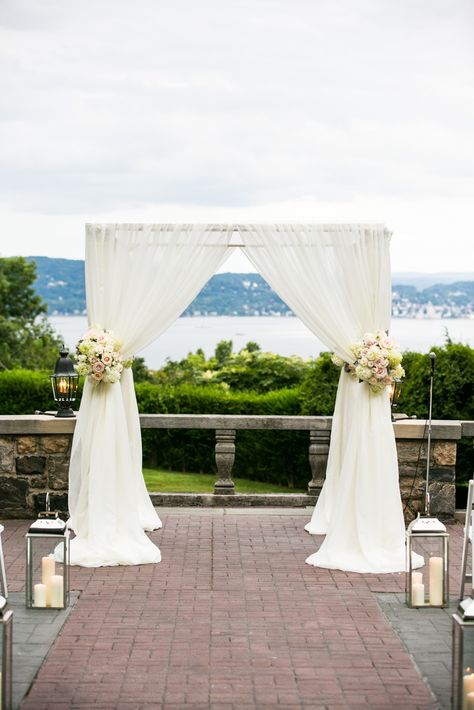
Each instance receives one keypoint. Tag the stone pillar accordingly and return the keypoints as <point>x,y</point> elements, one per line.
<point>225,455</point>
<point>412,467</point>
<point>318,459</point>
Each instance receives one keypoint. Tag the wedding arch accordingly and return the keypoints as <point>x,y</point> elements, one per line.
<point>139,279</point>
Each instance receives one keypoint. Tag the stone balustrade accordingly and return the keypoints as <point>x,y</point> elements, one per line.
<point>35,451</point>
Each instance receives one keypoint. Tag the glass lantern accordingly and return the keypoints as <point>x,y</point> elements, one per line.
<point>463,657</point>
<point>395,390</point>
<point>47,563</point>
<point>426,584</point>
<point>6,624</point>
<point>64,383</point>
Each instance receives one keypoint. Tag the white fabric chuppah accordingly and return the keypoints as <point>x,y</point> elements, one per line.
<point>336,279</point>
<point>139,279</point>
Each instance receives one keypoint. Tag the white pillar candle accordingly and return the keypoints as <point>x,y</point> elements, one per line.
<point>56,588</point>
<point>468,688</point>
<point>418,594</point>
<point>436,581</point>
<point>39,595</point>
<point>470,701</point>
<point>48,568</point>
<point>416,578</point>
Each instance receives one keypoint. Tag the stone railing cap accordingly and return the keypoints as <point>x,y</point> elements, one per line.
<point>404,429</point>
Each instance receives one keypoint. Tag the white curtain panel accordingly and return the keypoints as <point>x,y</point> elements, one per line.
<point>139,279</point>
<point>337,279</point>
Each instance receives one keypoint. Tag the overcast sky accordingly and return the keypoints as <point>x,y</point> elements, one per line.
<point>239,110</point>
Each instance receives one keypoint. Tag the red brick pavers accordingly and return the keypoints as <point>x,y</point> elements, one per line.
<point>232,618</point>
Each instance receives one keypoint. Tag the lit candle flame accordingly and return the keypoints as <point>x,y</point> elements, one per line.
<point>63,387</point>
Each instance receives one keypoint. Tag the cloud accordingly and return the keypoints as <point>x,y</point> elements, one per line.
<point>225,105</point>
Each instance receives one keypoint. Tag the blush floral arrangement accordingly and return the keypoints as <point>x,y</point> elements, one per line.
<point>98,357</point>
<point>377,361</point>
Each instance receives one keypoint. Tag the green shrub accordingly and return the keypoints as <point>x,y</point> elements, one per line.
<point>453,384</point>
<point>318,391</point>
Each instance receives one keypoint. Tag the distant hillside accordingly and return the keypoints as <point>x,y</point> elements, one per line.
<point>61,284</point>
<point>422,281</point>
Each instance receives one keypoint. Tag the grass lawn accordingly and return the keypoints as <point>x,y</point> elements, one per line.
<point>158,481</point>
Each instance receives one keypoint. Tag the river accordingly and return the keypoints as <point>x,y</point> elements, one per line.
<point>285,335</point>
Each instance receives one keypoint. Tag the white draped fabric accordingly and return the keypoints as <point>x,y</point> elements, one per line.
<point>139,279</point>
<point>336,278</point>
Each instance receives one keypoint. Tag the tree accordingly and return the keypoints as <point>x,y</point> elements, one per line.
<point>141,373</point>
<point>26,338</point>
<point>223,351</point>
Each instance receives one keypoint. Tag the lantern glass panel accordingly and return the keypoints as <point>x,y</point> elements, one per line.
<point>463,662</point>
<point>6,626</point>
<point>64,387</point>
<point>427,585</point>
<point>47,579</point>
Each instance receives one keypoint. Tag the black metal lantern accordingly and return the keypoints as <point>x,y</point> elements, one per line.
<point>64,383</point>
<point>6,623</point>
<point>395,390</point>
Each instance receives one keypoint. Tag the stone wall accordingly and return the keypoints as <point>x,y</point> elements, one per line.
<point>35,451</point>
<point>29,466</point>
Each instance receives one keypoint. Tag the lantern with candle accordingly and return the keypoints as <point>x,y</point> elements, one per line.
<point>395,390</point>
<point>463,657</point>
<point>427,563</point>
<point>64,383</point>
<point>47,562</point>
<point>6,624</point>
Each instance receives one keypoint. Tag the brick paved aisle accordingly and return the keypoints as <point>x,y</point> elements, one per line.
<point>231,618</point>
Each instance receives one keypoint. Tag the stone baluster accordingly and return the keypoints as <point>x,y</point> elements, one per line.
<point>318,459</point>
<point>225,455</point>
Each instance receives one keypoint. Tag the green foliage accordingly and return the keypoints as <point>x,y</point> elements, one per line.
<point>261,372</point>
<point>318,390</point>
<point>141,373</point>
<point>252,346</point>
<point>223,352</point>
<point>453,384</point>
<point>26,339</point>
<point>250,369</point>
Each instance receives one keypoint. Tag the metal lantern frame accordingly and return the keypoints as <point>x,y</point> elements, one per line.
<point>462,657</point>
<point>6,624</point>
<point>34,539</point>
<point>395,391</point>
<point>429,530</point>
<point>64,381</point>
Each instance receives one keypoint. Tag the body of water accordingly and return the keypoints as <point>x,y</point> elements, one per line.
<point>285,336</point>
